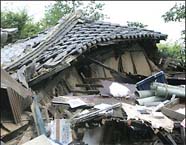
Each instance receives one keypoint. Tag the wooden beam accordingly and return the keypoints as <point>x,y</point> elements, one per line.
<point>85,91</point>
<point>89,85</point>
<point>105,66</point>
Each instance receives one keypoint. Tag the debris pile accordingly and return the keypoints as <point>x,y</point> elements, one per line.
<point>130,116</point>
<point>90,83</point>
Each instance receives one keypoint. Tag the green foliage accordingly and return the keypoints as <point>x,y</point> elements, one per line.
<point>27,28</point>
<point>136,24</point>
<point>30,29</point>
<point>20,20</point>
<point>176,13</point>
<point>93,11</point>
<point>54,12</point>
<point>11,19</point>
<point>173,50</point>
<point>61,8</point>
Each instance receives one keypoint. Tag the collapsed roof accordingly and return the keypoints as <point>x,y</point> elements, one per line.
<point>70,38</point>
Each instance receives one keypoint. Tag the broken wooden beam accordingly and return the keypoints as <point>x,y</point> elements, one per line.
<point>85,91</point>
<point>96,79</point>
<point>103,65</point>
<point>89,85</point>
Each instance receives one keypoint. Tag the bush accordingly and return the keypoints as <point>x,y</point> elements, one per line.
<point>172,50</point>
<point>20,20</point>
<point>30,29</point>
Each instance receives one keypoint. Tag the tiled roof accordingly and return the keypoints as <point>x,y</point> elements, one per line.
<point>13,51</point>
<point>75,36</point>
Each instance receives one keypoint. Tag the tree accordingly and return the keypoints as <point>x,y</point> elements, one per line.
<point>93,11</point>
<point>136,24</point>
<point>30,29</point>
<point>176,14</point>
<point>173,50</point>
<point>61,8</point>
<point>11,19</point>
<point>20,20</point>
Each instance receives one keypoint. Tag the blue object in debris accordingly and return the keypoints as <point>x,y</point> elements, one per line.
<point>145,83</point>
<point>38,116</point>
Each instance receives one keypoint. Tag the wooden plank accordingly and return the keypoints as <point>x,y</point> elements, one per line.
<point>141,63</point>
<point>170,112</point>
<point>89,85</point>
<point>127,63</point>
<point>85,91</point>
<point>58,129</point>
<point>111,62</point>
<point>97,71</point>
<point>153,66</point>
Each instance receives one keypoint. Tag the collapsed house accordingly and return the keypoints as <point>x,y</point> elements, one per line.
<point>79,59</point>
<point>76,49</point>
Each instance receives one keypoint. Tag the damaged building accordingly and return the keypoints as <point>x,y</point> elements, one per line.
<point>77,50</point>
<point>80,59</point>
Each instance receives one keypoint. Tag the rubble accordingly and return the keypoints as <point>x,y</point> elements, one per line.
<point>85,119</point>
<point>73,96</point>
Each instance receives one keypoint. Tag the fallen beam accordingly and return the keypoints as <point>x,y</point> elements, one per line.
<point>85,91</point>
<point>121,76</point>
<point>89,85</point>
